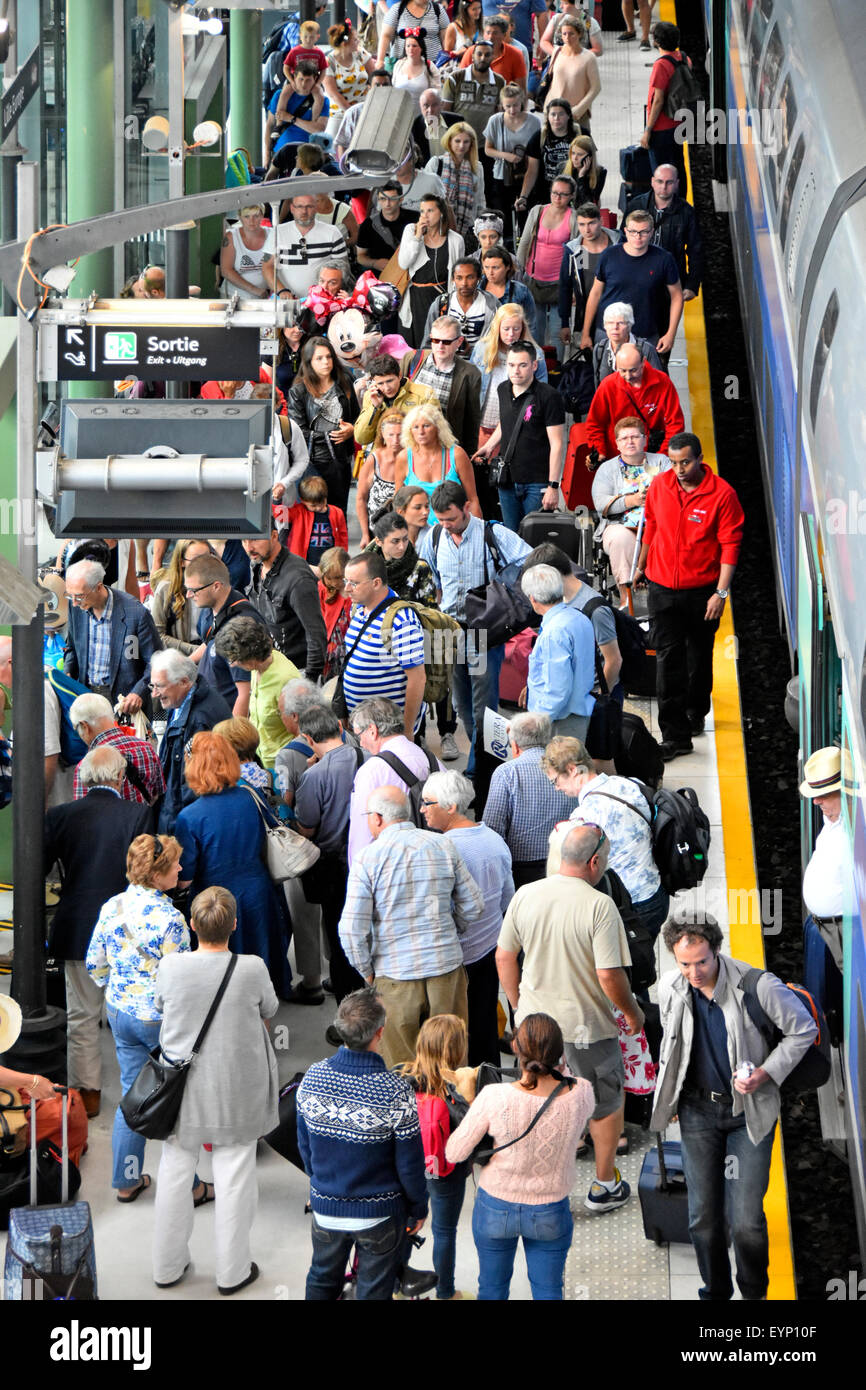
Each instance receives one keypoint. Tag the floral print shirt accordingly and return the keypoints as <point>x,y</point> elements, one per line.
<point>134,931</point>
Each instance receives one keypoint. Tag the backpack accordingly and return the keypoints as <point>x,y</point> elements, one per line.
<point>813,1069</point>
<point>631,640</point>
<point>442,650</point>
<point>414,784</point>
<point>67,689</point>
<point>682,90</point>
<point>239,169</point>
<point>680,833</point>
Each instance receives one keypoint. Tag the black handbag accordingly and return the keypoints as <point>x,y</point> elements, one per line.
<point>605,725</point>
<point>499,470</point>
<point>152,1103</point>
<point>489,1075</point>
<point>15,1180</point>
<point>499,606</point>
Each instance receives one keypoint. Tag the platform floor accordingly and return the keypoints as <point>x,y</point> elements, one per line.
<point>610,1258</point>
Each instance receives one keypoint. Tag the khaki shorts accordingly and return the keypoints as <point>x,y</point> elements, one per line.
<point>601,1064</point>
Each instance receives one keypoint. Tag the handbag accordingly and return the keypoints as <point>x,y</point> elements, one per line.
<point>287,854</point>
<point>498,606</point>
<point>489,1075</point>
<point>152,1103</point>
<point>13,1122</point>
<point>605,725</point>
<point>395,274</point>
<point>499,470</point>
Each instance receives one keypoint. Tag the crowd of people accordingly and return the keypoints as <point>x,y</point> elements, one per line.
<point>228,691</point>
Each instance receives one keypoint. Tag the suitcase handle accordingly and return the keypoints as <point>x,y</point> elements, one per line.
<point>663,1172</point>
<point>64,1151</point>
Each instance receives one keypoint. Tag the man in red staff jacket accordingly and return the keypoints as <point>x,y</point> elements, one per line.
<point>635,388</point>
<point>693,530</point>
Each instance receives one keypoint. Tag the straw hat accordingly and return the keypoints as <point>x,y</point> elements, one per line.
<point>56,618</point>
<point>10,1022</point>
<point>822,773</point>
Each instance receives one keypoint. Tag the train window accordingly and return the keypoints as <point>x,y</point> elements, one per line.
<point>787,120</point>
<point>822,352</point>
<point>773,59</point>
<point>793,174</point>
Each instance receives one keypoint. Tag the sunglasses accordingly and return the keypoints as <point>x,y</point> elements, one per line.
<point>443,342</point>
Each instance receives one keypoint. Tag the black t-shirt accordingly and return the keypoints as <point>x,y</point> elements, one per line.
<point>374,244</point>
<point>530,456</point>
<point>553,156</point>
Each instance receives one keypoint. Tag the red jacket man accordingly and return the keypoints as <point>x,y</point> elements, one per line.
<point>635,388</point>
<point>693,529</point>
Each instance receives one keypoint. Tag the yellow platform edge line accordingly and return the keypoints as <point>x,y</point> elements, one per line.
<point>746,938</point>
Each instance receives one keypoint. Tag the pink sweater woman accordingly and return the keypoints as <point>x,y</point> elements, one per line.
<point>523,1190</point>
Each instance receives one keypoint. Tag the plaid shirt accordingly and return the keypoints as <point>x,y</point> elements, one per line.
<point>459,568</point>
<point>143,759</point>
<point>408,899</point>
<point>439,382</point>
<point>99,644</point>
<point>523,806</point>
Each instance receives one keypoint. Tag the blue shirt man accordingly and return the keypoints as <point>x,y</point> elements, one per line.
<point>520,12</point>
<point>562,663</point>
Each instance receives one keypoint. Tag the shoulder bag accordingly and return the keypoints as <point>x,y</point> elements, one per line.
<point>458,1108</point>
<point>152,1103</point>
<point>499,606</point>
<point>287,854</point>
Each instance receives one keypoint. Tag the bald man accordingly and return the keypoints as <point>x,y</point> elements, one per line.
<point>634,388</point>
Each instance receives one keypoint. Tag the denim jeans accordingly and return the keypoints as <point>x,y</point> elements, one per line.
<point>380,1255</point>
<point>446,1202</point>
<point>546,1232</point>
<point>653,911</point>
<point>475,687</point>
<point>518,501</point>
<point>727,1176</point>
<point>133,1040</point>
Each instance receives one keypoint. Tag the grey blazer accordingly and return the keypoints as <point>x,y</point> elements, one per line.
<point>745,1042</point>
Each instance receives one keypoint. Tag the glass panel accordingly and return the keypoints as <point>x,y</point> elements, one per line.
<point>786,123</point>
<point>793,174</point>
<point>773,59</point>
<point>822,352</point>
<point>146,95</point>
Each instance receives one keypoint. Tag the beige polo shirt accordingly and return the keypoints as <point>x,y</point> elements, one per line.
<point>567,931</point>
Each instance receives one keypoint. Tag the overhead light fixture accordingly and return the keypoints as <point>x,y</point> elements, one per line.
<point>207,133</point>
<point>154,137</point>
<point>59,277</point>
<point>193,24</point>
<point>5,39</point>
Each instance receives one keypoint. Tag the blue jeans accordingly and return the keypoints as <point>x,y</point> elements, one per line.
<point>474,688</point>
<point>546,1231</point>
<point>518,501</point>
<point>727,1176</point>
<point>446,1202</point>
<point>133,1040</point>
<point>380,1256</point>
<point>653,911</point>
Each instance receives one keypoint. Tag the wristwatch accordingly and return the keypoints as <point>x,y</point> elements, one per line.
<point>722,593</point>
<point>555,485</point>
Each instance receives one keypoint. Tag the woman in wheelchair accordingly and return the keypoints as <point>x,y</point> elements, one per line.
<point>619,491</point>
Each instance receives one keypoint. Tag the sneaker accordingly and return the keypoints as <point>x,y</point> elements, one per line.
<point>646,46</point>
<point>448,750</point>
<point>670,750</point>
<point>332,1036</point>
<point>599,1199</point>
<point>627,37</point>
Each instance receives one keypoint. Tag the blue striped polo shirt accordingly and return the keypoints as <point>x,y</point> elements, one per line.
<point>372,671</point>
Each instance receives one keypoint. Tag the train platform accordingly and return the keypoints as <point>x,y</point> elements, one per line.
<point>610,1257</point>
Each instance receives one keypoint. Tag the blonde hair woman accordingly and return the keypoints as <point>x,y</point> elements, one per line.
<point>583,166</point>
<point>376,485</point>
<point>490,354</point>
<point>173,615</point>
<point>241,255</point>
<point>431,455</point>
<point>461,174</point>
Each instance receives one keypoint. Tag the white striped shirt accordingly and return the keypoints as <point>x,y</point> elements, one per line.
<point>373,671</point>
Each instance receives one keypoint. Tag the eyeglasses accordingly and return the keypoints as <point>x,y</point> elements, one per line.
<point>429,803</point>
<point>200,587</point>
<point>590,825</point>
<point>390,197</point>
<point>638,231</point>
<point>354,583</point>
<point>159,685</point>
<point>444,342</point>
<point>563,193</point>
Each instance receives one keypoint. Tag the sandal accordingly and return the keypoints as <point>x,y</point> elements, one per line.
<point>142,1185</point>
<point>206,1196</point>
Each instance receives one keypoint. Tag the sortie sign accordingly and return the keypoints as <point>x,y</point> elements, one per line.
<point>101,353</point>
<point>19,92</point>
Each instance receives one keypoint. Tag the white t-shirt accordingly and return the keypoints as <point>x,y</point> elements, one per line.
<point>299,255</point>
<point>62,789</point>
<point>828,885</point>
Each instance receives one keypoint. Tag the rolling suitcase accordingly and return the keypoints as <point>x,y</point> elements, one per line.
<point>639,753</point>
<point>664,1201</point>
<point>552,528</point>
<point>49,1251</point>
<point>576,477</point>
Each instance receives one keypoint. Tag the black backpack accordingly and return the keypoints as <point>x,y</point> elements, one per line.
<point>415,784</point>
<point>813,1068</point>
<point>680,833</point>
<point>682,90</point>
<point>632,641</point>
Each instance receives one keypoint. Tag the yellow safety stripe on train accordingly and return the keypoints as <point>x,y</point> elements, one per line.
<point>746,937</point>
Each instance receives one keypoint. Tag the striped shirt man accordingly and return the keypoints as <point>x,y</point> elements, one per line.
<point>409,899</point>
<point>99,644</point>
<point>371,670</point>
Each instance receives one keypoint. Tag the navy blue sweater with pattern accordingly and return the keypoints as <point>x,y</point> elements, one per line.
<point>360,1140</point>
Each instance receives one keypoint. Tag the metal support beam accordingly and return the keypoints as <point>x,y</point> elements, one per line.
<point>83,238</point>
<point>28,804</point>
<point>245,82</point>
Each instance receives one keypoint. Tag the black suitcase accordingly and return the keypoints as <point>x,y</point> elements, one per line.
<point>639,753</point>
<point>552,528</point>
<point>664,1201</point>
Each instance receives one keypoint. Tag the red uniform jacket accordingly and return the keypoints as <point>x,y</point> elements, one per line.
<point>691,534</point>
<point>655,402</point>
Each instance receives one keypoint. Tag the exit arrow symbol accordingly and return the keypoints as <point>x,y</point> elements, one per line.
<point>74,335</point>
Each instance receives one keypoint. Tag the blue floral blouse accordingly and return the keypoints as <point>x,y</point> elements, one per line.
<point>135,930</point>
